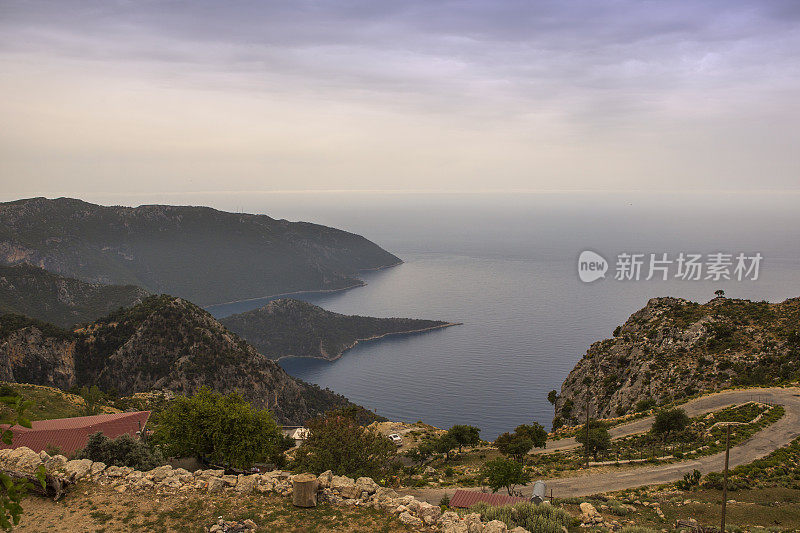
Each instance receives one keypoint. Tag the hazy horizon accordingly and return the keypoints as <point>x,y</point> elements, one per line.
<point>183,98</point>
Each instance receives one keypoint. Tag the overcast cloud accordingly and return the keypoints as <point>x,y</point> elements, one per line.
<point>168,96</point>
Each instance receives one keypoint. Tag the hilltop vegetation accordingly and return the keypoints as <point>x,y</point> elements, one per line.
<point>31,291</point>
<point>199,253</point>
<point>292,327</point>
<point>161,343</point>
<point>673,348</point>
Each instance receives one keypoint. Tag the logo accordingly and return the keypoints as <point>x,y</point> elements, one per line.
<point>591,266</point>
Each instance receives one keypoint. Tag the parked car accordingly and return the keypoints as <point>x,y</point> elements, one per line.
<point>397,439</point>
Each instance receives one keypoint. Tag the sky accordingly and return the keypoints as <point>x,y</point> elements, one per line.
<point>126,98</point>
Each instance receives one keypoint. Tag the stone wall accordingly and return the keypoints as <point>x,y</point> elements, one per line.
<point>336,490</point>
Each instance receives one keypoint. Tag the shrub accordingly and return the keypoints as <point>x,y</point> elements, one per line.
<point>338,443</point>
<point>444,503</point>
<point>121,451</point>
<point>504,473</point>
<point>534,518</point>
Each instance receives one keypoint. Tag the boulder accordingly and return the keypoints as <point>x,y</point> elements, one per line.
<point>495,526</point>
<point>247,484</point>
<point>345,486</point>
<point>55,462</point>
<point>324,479</point>
<point>429,513</point>
<point>29,462</point>
<point>96,468</point>
<point>366,484</point>
<point>519,529</point>
<point>455,527</point>
<point>78,468</point>
<point>215,484</point>
<point>159,473</point>
<point>409,519</point>
<point>230,480</point>
<point>385,493</point>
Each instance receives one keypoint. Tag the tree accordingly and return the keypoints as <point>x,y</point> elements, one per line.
<point>121,451</point>
<point>338,443</point>
<point>535,432</point>
<point>445,444</point>
<point>13,490</point>
<point>669,421</point>
<point>504,473</point>
<point>422,452</point>
<point>92,397</point>
<point>552,396</point>
<point>599,438</point>
<point>720,293</point>
<point>525,437</point>
<point>221,429</point>
<point>465,435</point>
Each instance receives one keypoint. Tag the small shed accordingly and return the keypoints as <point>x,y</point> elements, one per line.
<point>464,499</point>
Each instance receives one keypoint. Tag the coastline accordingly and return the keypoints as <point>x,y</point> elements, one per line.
<point>373,338</point>
<point>361,283</point>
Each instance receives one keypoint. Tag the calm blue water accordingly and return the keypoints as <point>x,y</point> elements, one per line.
<point>508,272</point>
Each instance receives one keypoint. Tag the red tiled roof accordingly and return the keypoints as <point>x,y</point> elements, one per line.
<point>467,498</point>
<point>72,434</point>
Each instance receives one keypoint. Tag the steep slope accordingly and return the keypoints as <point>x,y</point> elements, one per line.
<point>292,327</point>
<point>198,253</point>
<point>37,293</point>
<point>161,343</point>
<point>673,348</point>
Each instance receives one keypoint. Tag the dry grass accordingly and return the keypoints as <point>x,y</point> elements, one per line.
<point>97,509</point>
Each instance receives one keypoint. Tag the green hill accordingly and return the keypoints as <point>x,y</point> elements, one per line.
<point>292,327</point>
<point>162,343</point>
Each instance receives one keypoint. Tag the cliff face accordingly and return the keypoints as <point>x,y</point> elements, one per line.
<point>29,355</point>
<point>198,253</point>
<point>162,343</point>
<point>292,327</point>
<point>34,292</point>
<point>673,348</point>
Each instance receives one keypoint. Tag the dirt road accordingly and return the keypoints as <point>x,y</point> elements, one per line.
<point>762,443</point>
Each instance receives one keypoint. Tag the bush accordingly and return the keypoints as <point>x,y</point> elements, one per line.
<point>504,473</point>
<point>444,503</point>
<point>534,518</point>
<point>645,405</point>
<point>338,443</point>
<point>121,451</point>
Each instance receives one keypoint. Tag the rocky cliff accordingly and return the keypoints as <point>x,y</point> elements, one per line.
<point>161,343</point>
<point>674,348</point>
<point>198,253</point>
<point>34,292</point>
<point>292,327</point>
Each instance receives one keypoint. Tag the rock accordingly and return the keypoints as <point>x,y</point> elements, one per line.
<point>172,482</point>
<point>230,480</point>
<point>520,529</point>
<point>429,513</point>
<point>249,524</point>
<point>495,526</point>
<point>409,519</point>
<point>345,486</point>
<point>159,473</point>
<point>247,484</point>
<point>385,493</point>
<point>29,462</point>
<point>215,484</point>
<point>324,479</point>
<point>55,462</point>
<point>78,468</point>
<point>455,527</point>
<point>366,484</point>
<point>96,468</point>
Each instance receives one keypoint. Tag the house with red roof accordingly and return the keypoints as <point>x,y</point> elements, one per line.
<point>71,434</point>
<point>464,499</point>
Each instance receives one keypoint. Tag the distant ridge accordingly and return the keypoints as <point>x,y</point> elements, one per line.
<point>37,293</point>
<point>198,253</point>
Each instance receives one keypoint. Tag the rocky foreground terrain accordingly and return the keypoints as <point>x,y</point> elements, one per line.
<point>163,343</point>
<point>673,348</point>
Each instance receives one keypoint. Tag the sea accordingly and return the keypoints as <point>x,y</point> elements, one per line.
<point>506,267</point>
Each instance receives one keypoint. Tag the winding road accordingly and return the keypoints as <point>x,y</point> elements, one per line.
<point>759,445</point>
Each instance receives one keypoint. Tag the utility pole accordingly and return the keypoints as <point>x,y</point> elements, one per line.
<point>725,475</point>
<point>586,446</point>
